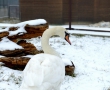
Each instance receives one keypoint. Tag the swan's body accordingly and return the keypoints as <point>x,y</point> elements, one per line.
<point>45,71</point>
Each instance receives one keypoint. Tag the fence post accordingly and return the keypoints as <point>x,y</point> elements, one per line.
<point>8,11</point>
<point>70,9</point>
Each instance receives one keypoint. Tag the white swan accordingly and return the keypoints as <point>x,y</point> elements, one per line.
<point>45,71</point>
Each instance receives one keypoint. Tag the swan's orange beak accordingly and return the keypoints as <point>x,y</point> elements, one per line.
<point>67,38</point>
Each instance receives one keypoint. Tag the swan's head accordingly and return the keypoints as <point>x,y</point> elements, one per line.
<point>62,32</point>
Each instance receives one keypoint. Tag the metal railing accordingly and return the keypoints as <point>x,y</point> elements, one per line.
<point>3,12</point>
<point>13,11</point>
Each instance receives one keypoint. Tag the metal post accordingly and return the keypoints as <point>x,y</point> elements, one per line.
<point>70,9</point>
<point>70,14</point>
<point>8,8</point>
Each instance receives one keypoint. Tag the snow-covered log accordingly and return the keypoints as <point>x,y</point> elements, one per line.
<point>15,62</point>
<point>29,49</point>
<point>11,53</point>
<point>12,43</point>
<point>4,34</point>
<point>11,37</point>
<point>32,31</point>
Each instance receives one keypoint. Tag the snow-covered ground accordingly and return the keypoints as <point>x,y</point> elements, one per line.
<point>90,54</point>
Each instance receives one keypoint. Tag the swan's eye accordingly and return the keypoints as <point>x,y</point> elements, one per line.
<point>66,34</point>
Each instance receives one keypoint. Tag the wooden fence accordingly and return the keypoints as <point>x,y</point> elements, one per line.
<point>57,11</point>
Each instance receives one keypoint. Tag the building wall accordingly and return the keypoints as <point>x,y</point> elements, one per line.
<point>83,10</point>
<point>57,11</point>
<point>46,9</point>
<point>102,10</point>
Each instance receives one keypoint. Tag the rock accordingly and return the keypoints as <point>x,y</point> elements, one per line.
<point>4,34</point>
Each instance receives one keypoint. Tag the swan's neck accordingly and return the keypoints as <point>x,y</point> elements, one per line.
<point>45,43</point>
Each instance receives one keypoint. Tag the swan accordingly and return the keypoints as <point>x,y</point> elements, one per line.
<point>45,71</point>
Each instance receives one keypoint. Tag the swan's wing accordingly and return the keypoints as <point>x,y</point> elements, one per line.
<point>44,68</point>
<point>54,69</point>
<point>33,73</point>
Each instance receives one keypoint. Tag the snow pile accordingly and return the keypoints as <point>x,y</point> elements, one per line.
<point>32,22</point>
<point>6,44</point>
<point>101,24</point>
<point>67,61</point>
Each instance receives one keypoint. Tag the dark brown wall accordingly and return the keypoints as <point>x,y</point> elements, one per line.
<point>51,10</point>
<point>82,10</point>
<point>102,10</point>
<point>57,11</point>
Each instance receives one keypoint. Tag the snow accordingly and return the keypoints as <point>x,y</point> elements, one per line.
<point>101,24</point>
<point>93,28</point>
<point>33,22</point>
<point>90,55</point>
<point>19,31</point>
<point>30,22</point>
<point>6,44</point>
<point>67,61</point>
